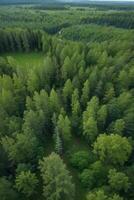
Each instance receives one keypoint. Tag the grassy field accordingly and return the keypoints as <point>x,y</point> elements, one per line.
<point>29,60</point>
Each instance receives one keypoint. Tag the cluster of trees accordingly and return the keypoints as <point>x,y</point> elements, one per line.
<point>34,18</point>
<point>52,19</point>
<point>95,33</point>
<point>113,6</point>
<point>119,19</point>
<point>82,91</point>
<point>19,40</point>
<point>16,2</point>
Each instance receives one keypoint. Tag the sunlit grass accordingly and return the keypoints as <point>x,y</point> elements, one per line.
<point>31,59</point>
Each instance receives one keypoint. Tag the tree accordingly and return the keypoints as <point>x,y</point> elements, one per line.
<point>6,100</point>
<point>103,59</point>
<point>102,116</point>
<point>81,74</point>
<point>112,149</point>
<point>119,126</point>
<point>113,110</point>
<point>109,93</point>
<point>18,41</point>
<point>6,190</point>
<point>100,195</point>
<point>64,127</point>
<point>93,79</point>
<point>20,93</point>
<point>57,183</point>
<point>25,41</point>
<point>33,81</point>
<point>90,130</point>
<point>87,179</point>
<point>76,109</point>
<point>118,180</point>
<point>92,108</point>
<point>129,121</point>
<point>26,183</point>
<point>123,79</point>
<point>46,43</point>
<point>85,93</point>
<point>54,101</point>
<point>34,122</point>
<point>3,119</point>
<point>58,142</point>
<point>37,117</point>
<point>5,68</point>
<point>80,160</point>
<point>67,93</point>
<point>47,73</point>
<point>99,172</point>
<point>99,90</point>
<point>124,100</point>
<point>115,197</point>
<point>66,69</point>
<point>21,149</point>
<point>64,53</point>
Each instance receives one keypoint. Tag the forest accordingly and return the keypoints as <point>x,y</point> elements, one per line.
<point>67,102</point>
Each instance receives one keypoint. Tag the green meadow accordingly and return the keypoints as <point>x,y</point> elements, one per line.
<point>23,59</point>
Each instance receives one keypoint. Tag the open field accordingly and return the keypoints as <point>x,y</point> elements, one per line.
<point>24,59</point>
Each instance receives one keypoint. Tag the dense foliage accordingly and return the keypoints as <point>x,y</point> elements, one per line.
<point>66,124</point>
<point>53,17</point>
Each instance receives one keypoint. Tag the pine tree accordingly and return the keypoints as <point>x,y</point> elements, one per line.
<point>58,142</point>
<point>85,93</point>
<point>54,101</point>
<point>66,69</point>
<point>64,127</point>
<point>67,93</point>
<point>76,109</point>
<point>57,183</point>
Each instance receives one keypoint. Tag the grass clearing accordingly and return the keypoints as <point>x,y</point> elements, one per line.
<point>28,60</point>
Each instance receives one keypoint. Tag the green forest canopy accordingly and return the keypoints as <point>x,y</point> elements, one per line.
<point>66,122</point>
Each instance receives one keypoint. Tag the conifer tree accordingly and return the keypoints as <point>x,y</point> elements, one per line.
<point>58,142</point>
